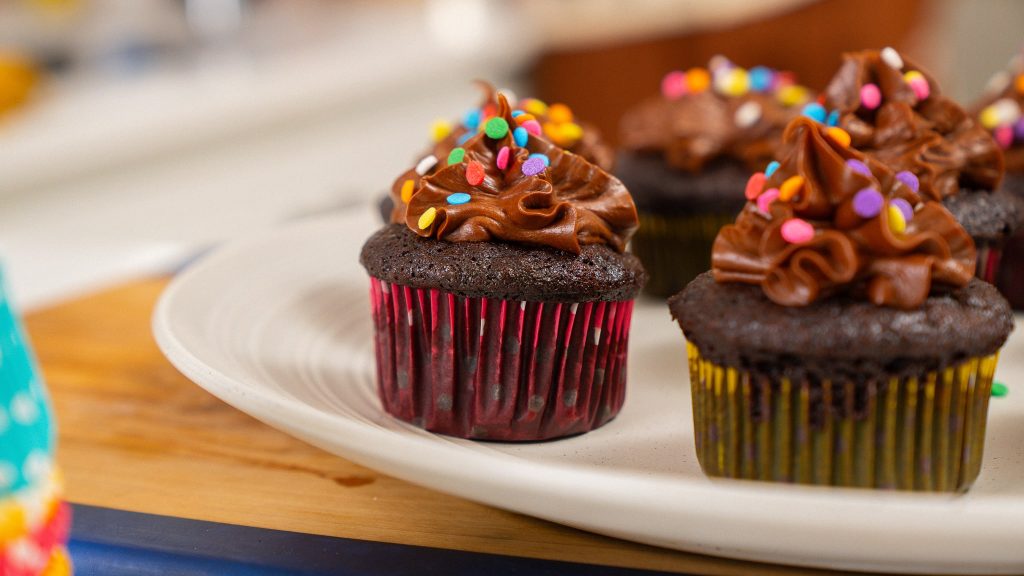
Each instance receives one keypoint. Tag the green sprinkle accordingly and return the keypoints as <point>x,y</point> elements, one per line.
<point>456,156</point>
<point>999,389</point>
<point>496,128</point>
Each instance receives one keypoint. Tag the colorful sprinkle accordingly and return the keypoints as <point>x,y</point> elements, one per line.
<point>868,203</point>
<point>833,118</point>
<point>909,179</point>
<point>440,129</point>
<point>891,57</point>
<point>534,106</point>
<point>761,78</point>
<point>458,198</point>
<point>870,96</point>
<point>842,137</point>
<point>897,223</point>
<point>1004,136</point>
<point>543,158</point>
<point>793,95</point>
<point>464,138</point>
<point>456,155</point>
<point>517,113</point>
<point>427,218</point>
<point>771,168</point>
<point>815,112</point>
<point>520,136</point>
<point>533,166</point>
<point>502,160</point>
<point>747,114</point>
<point>496,128</point>
<point>524,117</point>
<point>564,134</point>
<point>918,83</point>
<point>407,189</point>
<point>797,231</point>
<point>472,119</point>
<point>904,207</point>
<point>474,173</point>
<point>1018,84</point>
<point>697,80</point>
<point>999,389</point>
<point>764,201</point>
<point>559,113</point>
<point>754,185</point>
<point>426,164</point>
<point>733,82</point>
<point>533,127</point>
<point>858,167</point>
<point>1018,129</point>
<point>791,187</point>
<point>1001,112</point>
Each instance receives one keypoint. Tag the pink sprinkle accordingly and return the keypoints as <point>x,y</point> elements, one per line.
<point>921,88</point>
<point>870,96</point>
<point>1004,136</point>
<point>797,231</point>
<point>532,126</point>
<point>754,185</point>
<point>764,201</point>
<point>502,160</point>
<point>673,85</point>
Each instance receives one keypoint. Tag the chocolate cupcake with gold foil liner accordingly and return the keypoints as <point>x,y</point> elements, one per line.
<point>686,154</point>
<point>500,293</point>
<point>840,338</point>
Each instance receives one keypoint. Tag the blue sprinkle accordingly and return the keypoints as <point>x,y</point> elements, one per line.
<point>833,118</point>
<point>472,119</point>
<point>521,136</point>
<point>458,198</point>
<point>815,112</point>
<point>760,78</point>
<point>543,159</point>
<point>772,167</point>
<point>464,138</point>
<point>517,113</point>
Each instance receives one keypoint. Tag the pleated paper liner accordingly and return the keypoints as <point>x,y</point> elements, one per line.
<point>922,433</point>
<point>676,249</point>
<point>495,369</point>
<point>989,261</point>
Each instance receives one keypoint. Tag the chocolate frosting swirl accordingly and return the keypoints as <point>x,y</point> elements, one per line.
<point>569,203</point>
<point>851,249</point>
<point>932,137</point>
<point>590,145</point>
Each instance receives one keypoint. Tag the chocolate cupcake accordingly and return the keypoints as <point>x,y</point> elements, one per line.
<point>686,153</point>
<point>501,295</point>
<point>556,123</point>
<point>1000,112</point>
<point>840,338</point>
<point>894,112</point>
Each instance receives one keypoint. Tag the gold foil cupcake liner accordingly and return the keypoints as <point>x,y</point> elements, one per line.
<point>675,249</point>
<point>924,432</point>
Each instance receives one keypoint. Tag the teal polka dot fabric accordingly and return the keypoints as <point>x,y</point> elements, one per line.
<point>26,426</point>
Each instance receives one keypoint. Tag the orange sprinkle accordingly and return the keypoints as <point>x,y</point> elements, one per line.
<point>559,113</point>
<point>697,80</point>
<point>791,187</point>
<point>842,137</point>
<point>407,189</point>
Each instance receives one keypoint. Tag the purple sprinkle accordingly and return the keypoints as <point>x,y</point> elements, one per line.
<point>533,166</point>
<point>858,167</point>
<point>905,207</point>
<point>1018,129</point>
<point>909,179</point>
<point>867,203</point>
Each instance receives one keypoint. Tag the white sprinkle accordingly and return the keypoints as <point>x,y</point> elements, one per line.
<point>426,165</point>
<point>572,308</point>
<point>998,82</point>
<point>1007,110</point>
<point>24,410</point>
<point>891,57</point>
<point>597,336</point>
<point>748,114</point>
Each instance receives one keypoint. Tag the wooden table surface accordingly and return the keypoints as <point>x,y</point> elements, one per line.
<point>137,435</point>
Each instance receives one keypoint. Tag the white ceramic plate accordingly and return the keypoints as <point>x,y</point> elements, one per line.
<point>279,326</point>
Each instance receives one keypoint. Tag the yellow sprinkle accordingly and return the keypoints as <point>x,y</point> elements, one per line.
<point>897,223</point>
<point>697,80</point>
<point>791,187</point>
<point>559,113</point>
<point>407,188</point>
<point>792,95</point>
<point>989,117</point>
<point>440,129</point>
<point>524,117</point>
<point>912,76</point>
<point>571,131</point>
<point>427,218</point>
<point>1019,84</point>
<point>735,82</point>
<point>842,137</point>
<point>535,107</point>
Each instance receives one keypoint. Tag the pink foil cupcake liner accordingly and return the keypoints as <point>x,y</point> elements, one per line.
<point>494,369</point>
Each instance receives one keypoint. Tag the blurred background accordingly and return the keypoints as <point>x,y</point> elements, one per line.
<point>137,133</point>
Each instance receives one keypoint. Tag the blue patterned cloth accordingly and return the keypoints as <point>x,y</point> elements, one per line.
<point>26,424</point>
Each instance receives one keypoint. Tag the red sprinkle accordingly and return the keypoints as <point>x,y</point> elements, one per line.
<point>474,173</point>
<point>755,185</point>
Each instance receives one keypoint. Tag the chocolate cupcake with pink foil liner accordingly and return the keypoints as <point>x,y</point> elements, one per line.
<point>840,338</point>
<point>501,296</point>
<point>895,112</point>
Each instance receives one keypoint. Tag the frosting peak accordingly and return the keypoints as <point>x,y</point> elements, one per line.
<point>830,220</point>
<point>509,183</point>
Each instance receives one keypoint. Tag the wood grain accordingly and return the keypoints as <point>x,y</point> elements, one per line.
<point>136,435</point>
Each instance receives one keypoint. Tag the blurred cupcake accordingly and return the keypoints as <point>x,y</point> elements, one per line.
<point>895,113</point>
<point>556,123</point>
<point>840,338</point>
<point>501,295</point>
<point>34,522</point>
<point>1000,112</point>
<point>689,150</point>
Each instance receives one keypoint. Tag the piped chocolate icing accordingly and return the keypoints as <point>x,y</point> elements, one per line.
<point>1001,111</point>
